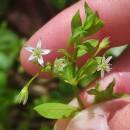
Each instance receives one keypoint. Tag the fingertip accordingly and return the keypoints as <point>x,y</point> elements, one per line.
<point>88,120</point>
<point>61,124</point>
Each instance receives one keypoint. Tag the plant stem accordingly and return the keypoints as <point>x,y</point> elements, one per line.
<point>78,97</point>
<point>30,81</point>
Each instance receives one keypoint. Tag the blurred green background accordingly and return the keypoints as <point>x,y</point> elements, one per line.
<point>19,19</point>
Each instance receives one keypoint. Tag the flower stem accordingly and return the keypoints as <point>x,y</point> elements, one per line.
<point>78,97</point>
<point>30,81</point>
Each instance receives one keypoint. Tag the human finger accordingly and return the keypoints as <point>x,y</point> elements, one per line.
<point>55,33</point>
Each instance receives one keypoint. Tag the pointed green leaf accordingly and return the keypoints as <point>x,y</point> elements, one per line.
<point>56,110</point>
<point>89,22</point>
<point>70,41</point>
<point>82,50</point>
<point>98,87</point>
<point>78,35</point>
<point>88,10</point>
<point>92,92</point>
<point>92,22</point>
<point>69,73</point>
<point>91,67</point>
<point>89,47</point>
<point>92,42</point>
<point>104,95</point>
<point>110,87</point>
<point>76,21</point>
<point>65,53</point>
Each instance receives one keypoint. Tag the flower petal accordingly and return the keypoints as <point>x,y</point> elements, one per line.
<point>102,73</point>
<point>31,57</point>
<point>108,69</point>
<point>103,59</point>
<point>40,60</point>
<point>108,59</point>
<point>39,43</point>
<point>25,98</point>
<point>45,51</point>
<point>29,48</point>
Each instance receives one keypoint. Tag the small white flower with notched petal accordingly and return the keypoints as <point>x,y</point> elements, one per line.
<point>37,52</point>
<point>104,66</point>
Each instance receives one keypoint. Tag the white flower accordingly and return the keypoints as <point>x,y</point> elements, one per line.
<point>104,66</point>
<point>37,52</point>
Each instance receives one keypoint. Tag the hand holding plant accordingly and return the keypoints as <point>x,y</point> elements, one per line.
<point>66,67</point>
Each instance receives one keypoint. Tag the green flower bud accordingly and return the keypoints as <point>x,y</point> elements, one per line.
<point>104,43</point>
<point>59,64</point>
<point>23,96</point>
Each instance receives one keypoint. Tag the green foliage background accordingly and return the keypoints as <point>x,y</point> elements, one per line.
<point>13,76</point>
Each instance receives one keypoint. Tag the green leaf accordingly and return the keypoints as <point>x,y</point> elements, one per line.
<point>78,35</point>
<point>104,95</point>
<point>91,67</point>
<point>99,60</point>
<point>89,22</point>
<point>98,87</point>
<point>82,51</point>
<point>88,10</point>
<point>56,110</point>
<point>84,48</point>
<point>65,53</point>
<point>69,74</point>
<point>96,26</point>
<point>87,46</point>
<point>92,42</point>
<point>92,22</point>
<point>104,43</point>
<point>76,27</point>
<point>92,92</point>
<point>87,69</point>
<point>70,41</point>
<point>76,21</point>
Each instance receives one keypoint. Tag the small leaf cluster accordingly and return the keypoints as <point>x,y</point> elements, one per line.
<point>104,95</point>
<point>67,68</point>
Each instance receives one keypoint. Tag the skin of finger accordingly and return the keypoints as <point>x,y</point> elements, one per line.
<point>120,71</point>
<point>55,33</point>
<point>116,112</point>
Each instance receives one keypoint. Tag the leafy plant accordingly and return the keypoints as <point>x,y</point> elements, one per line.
<point>66,67</point>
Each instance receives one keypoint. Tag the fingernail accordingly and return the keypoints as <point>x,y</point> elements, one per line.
<point>88,120</point>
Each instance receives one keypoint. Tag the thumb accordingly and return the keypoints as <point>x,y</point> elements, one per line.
<point>110,115</point>
<point>88,120</point>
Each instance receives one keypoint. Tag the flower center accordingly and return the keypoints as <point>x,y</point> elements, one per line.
<point>103,66</point>
<point>37,52</point>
